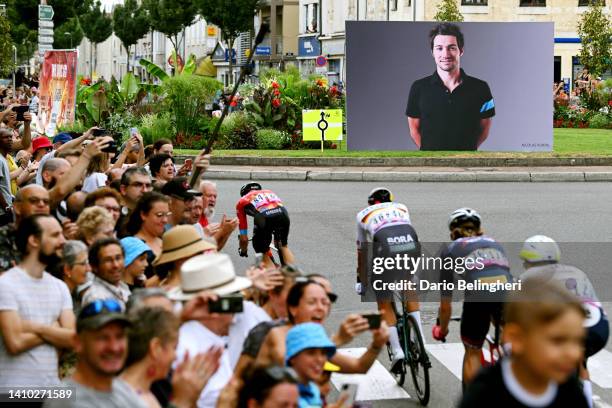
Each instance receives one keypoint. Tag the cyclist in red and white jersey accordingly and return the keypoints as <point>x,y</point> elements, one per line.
<point>271,219</point>
<point>386,226</point>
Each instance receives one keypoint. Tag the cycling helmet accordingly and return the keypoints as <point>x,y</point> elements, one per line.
<point>540,248</point>
<point>463,215</point>
<point>248,187</point>
<point>380,194</point>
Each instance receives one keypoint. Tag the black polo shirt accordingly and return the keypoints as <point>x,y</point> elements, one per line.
<point>450,120</point>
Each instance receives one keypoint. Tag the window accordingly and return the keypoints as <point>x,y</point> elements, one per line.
<point>473,2</point>
<point>312,17</point>
<point>533,3</point>
<point>585,3</point>
<point>393,5</point>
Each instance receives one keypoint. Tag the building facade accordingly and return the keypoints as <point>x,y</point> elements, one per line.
<point>280,46</point>
<point>322,31</point>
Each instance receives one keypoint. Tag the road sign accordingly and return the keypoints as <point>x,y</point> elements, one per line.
<point>45,23</point>
<point>45,31</point>
<point>45,40</point>
<point>45,12</point>
<point>322,124</point>
<point>263,50</point>
<point>321,61</point>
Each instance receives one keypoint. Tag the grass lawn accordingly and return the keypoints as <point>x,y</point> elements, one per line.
<point>567,142</point>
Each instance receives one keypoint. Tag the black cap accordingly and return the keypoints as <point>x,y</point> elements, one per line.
<point>100,320</point>
<point>179,188</point>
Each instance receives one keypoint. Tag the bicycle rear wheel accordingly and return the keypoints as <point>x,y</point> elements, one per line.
<point>417,359</point>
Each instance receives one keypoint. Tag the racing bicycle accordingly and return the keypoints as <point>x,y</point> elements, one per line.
<point>416,359</point>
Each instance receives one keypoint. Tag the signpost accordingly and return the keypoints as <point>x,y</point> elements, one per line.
<point>322,124</point>
<point>45,28</point>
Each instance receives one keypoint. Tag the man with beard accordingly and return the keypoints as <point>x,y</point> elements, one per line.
<point>449,110</point>
<point>31,199</point>
<point>101,345</point>
<point>220,231</point>
<point>106,259</point>
<point>181,200</point>
<point>36,316</point>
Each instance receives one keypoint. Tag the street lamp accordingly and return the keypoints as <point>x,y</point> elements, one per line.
<point>14,69</point>
<point>69,35</point>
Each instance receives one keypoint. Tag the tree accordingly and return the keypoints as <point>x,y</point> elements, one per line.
<point>170,17</point>
<point>68,35</point>
<point>595,32</point>
<point>448,11</point>
<point>24,28</point>
<point>6,47</point>
<point>232,18</point>
<point>130,24</point>
<point>97,27</point>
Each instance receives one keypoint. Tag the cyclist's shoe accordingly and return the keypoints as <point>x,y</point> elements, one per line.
<point>397,360</point>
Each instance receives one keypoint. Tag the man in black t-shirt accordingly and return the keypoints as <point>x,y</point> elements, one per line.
<point>449,110</point>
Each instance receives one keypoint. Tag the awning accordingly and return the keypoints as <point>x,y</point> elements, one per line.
<point>206,68</point>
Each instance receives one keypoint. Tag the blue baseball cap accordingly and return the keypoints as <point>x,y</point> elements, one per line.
<point>62,138</point>
<point>307,336</point>
<point>133,248</point>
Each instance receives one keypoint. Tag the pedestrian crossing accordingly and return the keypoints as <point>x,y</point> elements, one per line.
<point>378,384</point>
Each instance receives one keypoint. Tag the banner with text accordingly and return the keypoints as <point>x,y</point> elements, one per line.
<point>57,90</point>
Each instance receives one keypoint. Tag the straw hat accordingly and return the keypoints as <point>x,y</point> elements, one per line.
<point>214,272</point>
<point>180,242</point>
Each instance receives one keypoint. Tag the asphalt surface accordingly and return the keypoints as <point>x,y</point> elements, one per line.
<point>323,240</point>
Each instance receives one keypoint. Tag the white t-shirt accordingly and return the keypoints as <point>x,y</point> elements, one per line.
<point>240,328</point>
<point>93,182</point>
<point>38,300</point>
<point>196,338</point>
<point>5,182</point>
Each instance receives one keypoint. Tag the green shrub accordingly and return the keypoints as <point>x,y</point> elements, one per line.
<point>186,98</point>
<point>601,120</point>
<point>76,126</point>
<point>156,126</point>
<point>237,132</point>
<point>271,139</point>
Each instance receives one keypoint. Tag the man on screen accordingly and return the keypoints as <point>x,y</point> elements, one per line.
<point>449,110</point>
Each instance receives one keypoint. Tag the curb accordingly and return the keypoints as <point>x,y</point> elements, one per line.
<point>406,161</point>
<point>423,176</point>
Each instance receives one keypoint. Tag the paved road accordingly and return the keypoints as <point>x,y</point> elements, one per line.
<point>323,239</point>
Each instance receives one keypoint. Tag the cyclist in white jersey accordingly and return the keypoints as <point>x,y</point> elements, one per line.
<point>386,226</point>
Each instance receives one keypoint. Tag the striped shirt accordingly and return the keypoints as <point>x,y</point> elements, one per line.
<point>37,300</point>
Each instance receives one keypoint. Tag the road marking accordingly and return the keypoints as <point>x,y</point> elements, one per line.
<point>450,355</point>
<point>377,384</point>
<point>598,403</point>
<point>599,369</point>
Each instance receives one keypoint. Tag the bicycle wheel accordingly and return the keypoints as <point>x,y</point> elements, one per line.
<point>417,359</point>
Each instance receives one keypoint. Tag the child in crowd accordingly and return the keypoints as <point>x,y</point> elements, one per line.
<point>543,325</point>
<point>308,348</point>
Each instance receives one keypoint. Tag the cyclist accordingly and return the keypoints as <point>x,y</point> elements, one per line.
<point>386,226</point>
<point>480,308</point>
<point>541,256</point>
<point>270,218</point>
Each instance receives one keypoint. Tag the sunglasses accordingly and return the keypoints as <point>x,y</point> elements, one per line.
<point>98,306</point>
<point>279,373</point>
<point>330,295</point>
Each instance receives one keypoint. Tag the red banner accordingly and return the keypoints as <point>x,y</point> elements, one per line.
<point>57,90</point>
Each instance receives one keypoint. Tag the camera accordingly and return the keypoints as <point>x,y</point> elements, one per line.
<point>227,304</point>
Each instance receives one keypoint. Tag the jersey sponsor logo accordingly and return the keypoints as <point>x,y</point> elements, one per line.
<point>402,239</point>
